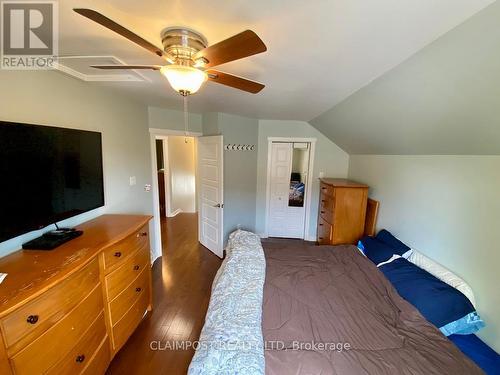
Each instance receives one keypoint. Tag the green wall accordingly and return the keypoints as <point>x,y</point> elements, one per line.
<point>51,98</point>
<point>447,207</point>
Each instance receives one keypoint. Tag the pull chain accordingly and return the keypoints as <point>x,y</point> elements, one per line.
<point>186,119</point>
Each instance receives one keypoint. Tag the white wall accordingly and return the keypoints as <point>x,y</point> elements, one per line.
<point>51,98</point>
<point>181,174</point>
<point>447,207</point>
<point>328,158</point>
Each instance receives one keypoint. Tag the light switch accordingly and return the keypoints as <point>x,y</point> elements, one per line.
<point>321,174</point>
<point>147,188</point>
<point>132,180</point>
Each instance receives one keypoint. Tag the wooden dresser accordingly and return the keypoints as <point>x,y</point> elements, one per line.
<point>342,211</point>
<point>69,310</point>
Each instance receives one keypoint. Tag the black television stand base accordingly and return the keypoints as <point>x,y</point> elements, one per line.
<point>52,239</point>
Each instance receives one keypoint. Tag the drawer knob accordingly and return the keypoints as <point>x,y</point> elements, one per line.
<point>320,238</point>
<point>136,268</point>
<point>142,234</point>
<point>322,212</point>
<point>32,319</point>
<point>80,358</point>
<point>321,225</point>
<point>138,289</point>
<point>118,254</point>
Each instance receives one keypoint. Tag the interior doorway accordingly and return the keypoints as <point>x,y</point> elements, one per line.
<point>176,164</point>
<point>187,176</point>
<point>289,177</point>
<point>160,179</point>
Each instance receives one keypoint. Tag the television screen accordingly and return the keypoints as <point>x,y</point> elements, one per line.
<point>47,174</point>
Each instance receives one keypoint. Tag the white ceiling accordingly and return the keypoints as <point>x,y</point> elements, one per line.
<point>319,52</point>
<point>444,100</point>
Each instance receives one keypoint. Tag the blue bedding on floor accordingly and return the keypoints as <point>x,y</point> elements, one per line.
<point>479,352</point>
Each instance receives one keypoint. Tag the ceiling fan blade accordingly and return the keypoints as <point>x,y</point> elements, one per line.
<point>112,67</point>
<point>234,81</point>
<point>112,25</point>
<point>241,45</point>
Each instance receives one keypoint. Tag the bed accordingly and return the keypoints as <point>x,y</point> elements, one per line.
<point>336,295</point>
<point>323,310</point>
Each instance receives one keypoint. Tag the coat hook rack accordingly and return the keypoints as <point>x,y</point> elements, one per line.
<point>239,147</point>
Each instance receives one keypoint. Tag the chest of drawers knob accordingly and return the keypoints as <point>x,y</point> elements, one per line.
<point>136,268</point>
<point>138,289</point>
<point>80,358</point>
<point>32,319</point>
<point>118,254</point>
<point>142,234</point>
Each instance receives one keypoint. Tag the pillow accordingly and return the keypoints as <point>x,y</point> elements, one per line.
<point>376,251</point>
<point>441,304</point>
<point>399,247</point>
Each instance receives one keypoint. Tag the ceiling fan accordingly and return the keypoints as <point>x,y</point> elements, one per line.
<point>188,58</point>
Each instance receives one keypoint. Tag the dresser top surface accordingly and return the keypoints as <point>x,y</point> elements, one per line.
<point>342,182</point>
<point>31,272</point>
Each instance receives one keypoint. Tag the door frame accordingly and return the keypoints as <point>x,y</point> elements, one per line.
<point>310,174</point>
<point>155,133</point>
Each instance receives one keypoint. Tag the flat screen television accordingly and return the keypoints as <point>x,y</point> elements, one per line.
<point>47,174</point>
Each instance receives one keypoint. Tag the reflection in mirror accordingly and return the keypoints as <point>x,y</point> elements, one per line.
<point>298,177</point>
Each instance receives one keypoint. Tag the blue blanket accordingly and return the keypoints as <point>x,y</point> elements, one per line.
<point>479,352</point>
<point>438,302</point>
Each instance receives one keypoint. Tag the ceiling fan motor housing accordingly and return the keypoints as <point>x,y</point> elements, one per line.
<point>182,44</point>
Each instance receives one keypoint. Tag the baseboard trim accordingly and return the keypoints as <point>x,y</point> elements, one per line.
<point>175,213</point>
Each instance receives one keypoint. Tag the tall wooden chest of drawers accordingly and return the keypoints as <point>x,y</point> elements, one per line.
<point>69,310</point>
<point>341,212</point>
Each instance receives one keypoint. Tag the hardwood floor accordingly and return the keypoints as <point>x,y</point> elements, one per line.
<point>182,280</point>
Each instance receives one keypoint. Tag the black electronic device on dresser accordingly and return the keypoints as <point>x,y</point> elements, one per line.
<point>48,174</point>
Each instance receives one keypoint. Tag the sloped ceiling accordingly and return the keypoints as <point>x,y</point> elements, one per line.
<point>319,52</point>
<point>443,100</point>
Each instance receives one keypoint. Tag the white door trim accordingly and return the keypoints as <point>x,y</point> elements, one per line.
<point>310,174</point>
<point>155,133</point>
<point>167,132</point>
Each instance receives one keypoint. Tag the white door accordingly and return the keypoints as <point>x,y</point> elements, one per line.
<point>285,218</point>
<point>211,205</point>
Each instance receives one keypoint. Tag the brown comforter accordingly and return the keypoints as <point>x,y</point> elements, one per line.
<point>329,310</point>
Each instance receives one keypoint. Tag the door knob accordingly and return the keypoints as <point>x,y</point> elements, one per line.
<point>218,205</point>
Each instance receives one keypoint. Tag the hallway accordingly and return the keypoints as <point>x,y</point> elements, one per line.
<point>182,279</point>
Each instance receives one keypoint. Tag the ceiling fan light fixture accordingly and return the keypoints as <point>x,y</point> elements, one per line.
<point>186,80</point>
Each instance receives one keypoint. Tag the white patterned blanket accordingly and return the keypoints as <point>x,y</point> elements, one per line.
<point>231,340</point>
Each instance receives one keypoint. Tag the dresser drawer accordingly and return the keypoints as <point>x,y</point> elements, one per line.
<point>124,328</point>
<point>32,319</point>
<point>80,356</point>
<point>120,278</point>
<point>114,255</point>
<point>324,232</point>
<point>326,207</point>
<point>100,361</point>
<point>327,189</point>
<point>120,305</point>
<point>58,341</point>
